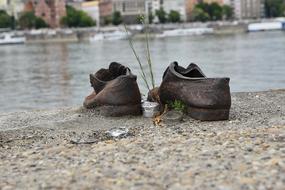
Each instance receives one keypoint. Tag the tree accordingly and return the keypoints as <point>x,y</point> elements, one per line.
<point>274,8</point>
<point>117,18</point>
<point>140,19</point>
<point>214,11</point>
<point>76,18</point>
<point>150,18</point>
<point>28,20</point>
<point>14,22</point>
<point>85,20</point>
<point>107,20</point>
<point>161,14</point>
<point>40,23</point>
<point>174,16</point>
<point>200,15</point>
<point>228,12</point>
<point>6,21</point>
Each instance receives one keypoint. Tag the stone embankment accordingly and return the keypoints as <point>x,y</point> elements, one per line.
<point>71,148</point>
<point>83,34</point>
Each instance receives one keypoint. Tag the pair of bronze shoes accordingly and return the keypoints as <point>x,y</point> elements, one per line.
<point>116,92</point>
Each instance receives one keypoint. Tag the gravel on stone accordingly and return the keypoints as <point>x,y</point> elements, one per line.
<point>72,148</point>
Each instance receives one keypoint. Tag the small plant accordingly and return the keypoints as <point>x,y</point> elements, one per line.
<point>146,27</point>
<point>138,59</point>
<point>149,62</point>
<point>177,105</point>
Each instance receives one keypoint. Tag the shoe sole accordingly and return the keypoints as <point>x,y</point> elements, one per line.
<point>117,111</point>
<point>208,114</point>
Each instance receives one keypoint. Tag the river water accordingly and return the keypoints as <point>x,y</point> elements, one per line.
<point>41,76</point>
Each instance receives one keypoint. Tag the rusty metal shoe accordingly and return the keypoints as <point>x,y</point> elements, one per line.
<point>103,76</point>
<point>116,92</point>
<point>207,99</point>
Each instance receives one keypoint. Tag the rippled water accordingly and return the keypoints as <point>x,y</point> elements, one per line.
<point>43,76</point>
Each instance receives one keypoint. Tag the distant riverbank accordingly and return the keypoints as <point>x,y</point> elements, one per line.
<point>84,34</point>
<point>137,31</point>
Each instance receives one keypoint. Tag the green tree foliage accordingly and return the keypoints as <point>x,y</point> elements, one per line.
<point>199,15</point>
<point>161,14</point>
<point>6,21</point>
<point>214,10</point>
<point>28,20</point>
<point>174,16</point>
<point>228,12</point>
<point>150,18</point>
<point>107,20</point>
<point>139,19</point>
<point>76,18</point>
<point>40,23</point>
<point>211,11</point>
<point>117,18</point>
<point>274,8</point>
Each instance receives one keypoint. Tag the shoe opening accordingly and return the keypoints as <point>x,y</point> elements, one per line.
<point>117,69</point>
<point>189,72</point>
<point>104,75</point>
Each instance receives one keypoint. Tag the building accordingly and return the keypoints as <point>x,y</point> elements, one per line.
<point>12,7</point>
<point>228,2</point>
<point>51,11</point>
<point>3,4</point>
<point>190,5</point>
<point>177,5</point>
<point>247,9</point>
<point>243,9</point>
<point>154,5</point>
<point>98,10</point>
<point>105,10</point>
<point>92,9</point>
<point>130,9</point>
<point>221,2</point>
<point>74,3</point>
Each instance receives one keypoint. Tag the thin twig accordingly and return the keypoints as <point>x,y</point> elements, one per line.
<point>145,81</point>
<point>148,51</point>
<point>137,57</point>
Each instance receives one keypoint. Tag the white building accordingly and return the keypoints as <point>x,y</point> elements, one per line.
<point>247,9</point>
<point>12,7</point>
<point>228,2</point>
<point>176,5</point>
<point>130,7</point>
<point>92,9</point>
<point>153,5</point>
<point>3,4</point>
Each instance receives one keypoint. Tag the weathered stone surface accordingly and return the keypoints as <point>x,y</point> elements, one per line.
<point>246,152</point>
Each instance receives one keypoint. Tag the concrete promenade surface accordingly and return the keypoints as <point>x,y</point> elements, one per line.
<point>70,149</point>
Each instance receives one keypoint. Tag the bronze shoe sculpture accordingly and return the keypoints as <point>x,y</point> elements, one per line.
<point>206,99</point>
<point>116,92</point>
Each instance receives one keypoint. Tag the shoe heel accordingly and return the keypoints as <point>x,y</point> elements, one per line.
<point>117,111</point>
<point>208,114</point>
